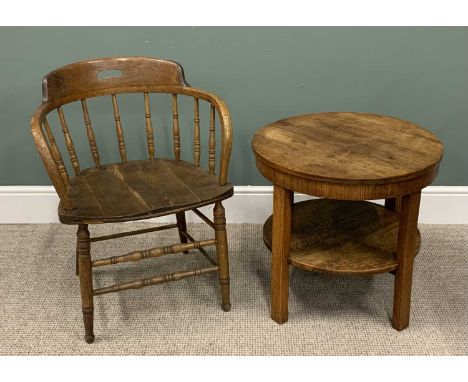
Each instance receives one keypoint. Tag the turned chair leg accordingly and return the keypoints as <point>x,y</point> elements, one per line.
<point>83,246</point>
<point>182,227</point>
<point>222,255</point>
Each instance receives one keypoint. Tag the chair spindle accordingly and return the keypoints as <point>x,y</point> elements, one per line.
<point>56,154</point>
<point>118,129</point>
<point>196,134</point>
<point>175,127</point>
<point>90,134</point>
<point>212,142</point>
<point>69,142</point>
<point>149,128</point>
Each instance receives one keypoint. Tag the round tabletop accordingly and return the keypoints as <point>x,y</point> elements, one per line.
<point>348,155</point>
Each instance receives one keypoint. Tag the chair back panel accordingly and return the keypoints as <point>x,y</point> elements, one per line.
<point>78,79</point>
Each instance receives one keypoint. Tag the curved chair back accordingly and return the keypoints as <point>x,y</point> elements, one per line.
<point>112,76</point>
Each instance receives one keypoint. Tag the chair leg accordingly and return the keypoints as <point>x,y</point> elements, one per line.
<point>222,255</point>
<point>181,226</point>
<point>83,247</point>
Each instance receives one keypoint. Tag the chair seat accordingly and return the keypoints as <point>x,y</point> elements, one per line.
<point>140,190</point>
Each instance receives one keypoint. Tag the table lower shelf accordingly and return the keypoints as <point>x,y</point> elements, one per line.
<point>342,237</point>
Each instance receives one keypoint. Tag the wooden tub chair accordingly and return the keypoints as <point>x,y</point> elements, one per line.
<point>134,189</point>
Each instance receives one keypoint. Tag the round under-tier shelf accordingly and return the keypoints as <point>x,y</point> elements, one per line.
<point>342,237</point>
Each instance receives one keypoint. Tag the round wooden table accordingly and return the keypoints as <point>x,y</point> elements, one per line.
<point>346,159</point>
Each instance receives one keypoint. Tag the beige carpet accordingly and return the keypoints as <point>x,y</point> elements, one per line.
<point>41,312</point>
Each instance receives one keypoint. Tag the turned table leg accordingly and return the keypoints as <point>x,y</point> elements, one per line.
<point>282,206</point>
<point>409,211</point>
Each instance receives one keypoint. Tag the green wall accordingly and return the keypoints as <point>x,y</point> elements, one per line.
<point>264,74</point>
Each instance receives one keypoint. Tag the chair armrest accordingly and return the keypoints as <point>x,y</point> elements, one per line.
<point>226,131</point>
<point>43,148</point>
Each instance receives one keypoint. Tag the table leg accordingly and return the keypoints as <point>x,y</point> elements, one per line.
<point>282,207</point>
<point>405,256</point>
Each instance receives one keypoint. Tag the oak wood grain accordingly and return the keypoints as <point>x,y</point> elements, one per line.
<point>376,157</point>
<point>152,253</point>
<point>347,157</point>
<point>353,238</point>
<point>282,209</point>
<point>56,153</point>
<point>196,132</point>
<point>78,78</point>
<point>90,134</point>
<point>119,130</point>
<point>150,188</point>
<point>69,141</point>
<point>149,128</point>
<point>142,283</point>
<point>86,279</point>
<point>220,107</point>
<point>409,211</point>
<point>212,142</point>
<point>175,127</point>
<point>219,222</point>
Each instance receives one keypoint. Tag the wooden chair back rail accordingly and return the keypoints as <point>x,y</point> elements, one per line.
<point>118,130</point>
<point>56,153</point>
<point>149,128</point>
<point>175,127</point>
<point>69,142</point>
<point>212,142</point>
<point>90,134</point>
<point>154,252</point>
<point>137,284</point>
<point>196,133</point>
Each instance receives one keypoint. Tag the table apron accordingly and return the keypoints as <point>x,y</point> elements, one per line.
<point>346,190</point>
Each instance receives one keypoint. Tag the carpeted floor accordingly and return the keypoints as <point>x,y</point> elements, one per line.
<point>41,312</point>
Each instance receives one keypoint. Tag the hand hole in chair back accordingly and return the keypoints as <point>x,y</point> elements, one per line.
<point>109,73</point>
<point>76,81</point>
